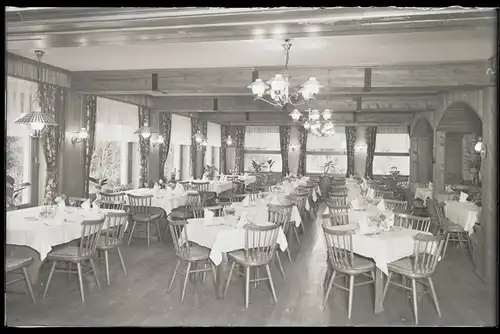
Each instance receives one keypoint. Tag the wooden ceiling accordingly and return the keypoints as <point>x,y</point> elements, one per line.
<point>379,94</point>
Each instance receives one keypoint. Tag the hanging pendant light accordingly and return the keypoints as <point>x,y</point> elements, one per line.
<point>36,120</point>
<point>144,131</point>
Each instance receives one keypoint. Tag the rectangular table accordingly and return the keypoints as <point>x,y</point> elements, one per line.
<point>161,198</point>
<point>464,214</point>
<point>423,194</point>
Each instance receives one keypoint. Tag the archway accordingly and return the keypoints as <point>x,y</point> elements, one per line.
<point>461,126</point>
<point>422,139</point>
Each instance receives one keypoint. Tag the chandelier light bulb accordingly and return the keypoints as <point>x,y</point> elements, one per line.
<point>278,84</point>
<point>307,125</point>
<point>315,126</point>
<point>312,85</point>
<point>204,142</point>
<point>314,115</point>
<point>198,137</point>
<point>479,146</point>
<point>229,140</point>
<point>327,114</point>
<point>37,126</point>
<point>295,115</point>
<point>306,93</point>
<point>83,134</point>
<point>328,126</point>
<point>258,87</point>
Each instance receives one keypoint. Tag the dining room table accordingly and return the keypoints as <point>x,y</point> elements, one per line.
<point>165,199</point>
<point>423,193</point>
<point>464,214</point>
<point>32,233</point>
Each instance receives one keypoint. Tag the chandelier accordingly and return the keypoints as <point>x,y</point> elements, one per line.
<point>319,124</point>
<point>278,87</point>
<point>37,121</point>
<point>200,139</point>
<point>144,131</point>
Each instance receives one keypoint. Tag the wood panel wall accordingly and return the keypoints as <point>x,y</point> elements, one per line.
<point>453,158</point>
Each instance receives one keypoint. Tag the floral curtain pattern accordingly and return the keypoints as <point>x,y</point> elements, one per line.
<point>224,132</point>
<point>350,136</point>
<point>52,102</point>
<point>370,137</point>
<point>90,124</point>
<point>166,132</point>
<point>284,148</point>
<point>302,155</point>
<point>204,130</point>
<point>143,148</point>
<point>195,127</point>
<point>239,162</point>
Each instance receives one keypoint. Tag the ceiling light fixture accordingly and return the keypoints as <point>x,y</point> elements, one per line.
<point>317,123</point>
<point>144,131</point>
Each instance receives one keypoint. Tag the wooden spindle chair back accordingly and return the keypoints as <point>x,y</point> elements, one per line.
<point>252,197</point>
<point>238,187</point>
<point>412,222</point>
<point>338,192</point>
<point>114,197</point>
<point>339,246</point>
<point>91,230</point>
<point>260,243</point>
<point>280,214</point>
<point>180,238</point>
<point>140,205</point>
<point>337,208</point>
<point>238,198</point>
<point>111,205</point>
<point>115,224</point>
<point>341,199</point>
<point>427,252</point>
<point>300,200</point>
<point>393,205</point>
<point>193,200</point>
<point>201,186</point>
<point>335,219</point>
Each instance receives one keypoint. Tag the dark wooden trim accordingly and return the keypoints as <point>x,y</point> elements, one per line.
<point>35,170</point>
<point>260,152</point>
<point>391,154</point>
<point>326,153</point>
<point>130,162</point>
<point>35,63</point>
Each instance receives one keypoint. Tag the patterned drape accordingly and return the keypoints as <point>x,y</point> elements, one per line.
<point>240,149</point>
<point>52,102</point>
<point>284,148</point>
<point>195,126</point>
<point>370,137</point>
<point>143,148</point>
<point>204,130</point>
<point>166,132</point>
<point>90,124</point>
<point>350,137</point>
<point>224,132</point>
<point>302,155</point>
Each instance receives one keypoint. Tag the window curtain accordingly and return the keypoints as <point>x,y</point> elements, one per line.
<point>195,127</point>
<point>350,137</point>
<point>370,138</point>
<point>143,148</point>
<point>224,132</point>
<point>302,154</point>
<point>284,148</point>
<point>166,132</point>
<point>52,102</point>
<point>90,124</point>
<point>204,131</point>
<point>239,164</point>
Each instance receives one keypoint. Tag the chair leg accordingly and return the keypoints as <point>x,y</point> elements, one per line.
<point>184,287</point>
<point>434,296</point>
<point>446,244</point>
<point>256,283</point>
<point>28,283</point>
<point>204,276</point>
<point>214,270</point>
<point>229,278</point>
<point>49,279</point>
<point>351,293</point>
<point>80,280</point>
<point>247,286</point>
<point>131,233</point>
<point>469,243</point>
<point>271,283</point>
<point>106,264</point>
<point>158,230</point>
<point>296,233</point>
<point>173,275</point>
<point>121,260</point>
<point>386,286</point>
<point>289,253</point>
<point>330,285</point>
<point>280,265</point>
<point>303,224</point>
<point>94,271</point>
<point>70,265</point>
<point>414,294</point>
<point>147,231</point>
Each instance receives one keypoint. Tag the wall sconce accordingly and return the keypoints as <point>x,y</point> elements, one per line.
<point>480,148</point>
<point>229,140</point>
<point>80,136</point>
<point>158,141</point>
<point>293,148</point>
<point>144,131</point>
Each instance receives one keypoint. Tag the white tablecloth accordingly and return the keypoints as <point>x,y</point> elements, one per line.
<point>24,228</point>
<point>223,238</point>
<point>464,214</point>
<point>258,212</point>
<point>423,194</point>
<point>161,198</point>
<point>248,179</point>
<point>220,186</point>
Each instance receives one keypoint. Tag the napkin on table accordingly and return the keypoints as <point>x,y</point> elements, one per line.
<point>156,187</point>
<point>275,200</point>
<point>60,202</point>
<point>243,220</point>
<point>371,193</point>
<point>168,191</point>
<point>355,204</point>
<point>86,205</point>
<point>179,189</point>
<point>430,185</point>
<point>363,225</point>
<point>246,201</point>
<point>208,216</point>
<point>463,197</point>
<point>381,205</point>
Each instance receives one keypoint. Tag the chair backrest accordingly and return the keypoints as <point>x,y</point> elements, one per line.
<point>140,205</point>
<point>115,224</point>
<point>238,187</point>
<point>335,219</point>
<point>300,200</point>
<point>427,252</point>
<point>279,214</point>
<point>337,209</point>
<point>237,198</point>
<point>111,205</point>
<point>412,222</point>
<point>193,200</point>
<point>179,237</point>
<point>384,193</point>
<point>394,205</point>
<point>339,246</point>
<point>201,185</point>
<point>260,242</point>
<point>436,211</point>
<point>91,230</point>
<point>337,200</point>
<point>252,196</point>
<point>114,197</point>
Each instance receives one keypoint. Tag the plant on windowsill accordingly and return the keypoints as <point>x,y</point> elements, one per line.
<point>210,172</point>
<point>12,193</point>
<point>257,167</point>
<point>98,183</point>
<point>326,178</point>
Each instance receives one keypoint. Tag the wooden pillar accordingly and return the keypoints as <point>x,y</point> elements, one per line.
<point>439,162</point>
<point>154,151</point>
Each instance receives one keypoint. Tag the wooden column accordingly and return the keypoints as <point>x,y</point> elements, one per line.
<point>154,151</point>
<point>439,162</point>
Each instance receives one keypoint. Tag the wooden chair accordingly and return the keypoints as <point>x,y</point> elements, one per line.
<point>300,200</point>
<point>238,187</point>
<point>237,198</point>
<point>339,199</point>
<point>412,222</point>
<point>13,265</point>
<point>186,212</point>
<point>189,252</point>
<point>114,197</point>
<point>111,205</point>
<point>427,253</point>
<point>112,238</point>
<point>335,219</point>
<point>393,205</point>
<point>218,211</point>
<point>201,185</point>
<point>282,215</point>
<point>140,207</point>
<point>309,188</point>
<point>344,261</point>
<point>208,198</point>
<point>260,246</point>
<point>81,254</point>
<point>336,208</point>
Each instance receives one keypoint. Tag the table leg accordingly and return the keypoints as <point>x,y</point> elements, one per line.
<point>221,277</point>
<point>379,289</point>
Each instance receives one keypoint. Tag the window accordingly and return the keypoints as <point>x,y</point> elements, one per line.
<point>321,150</point>
<point>392,149</point>
<point>116,153</point>
<point>18,96</point>
<point>262,143</point>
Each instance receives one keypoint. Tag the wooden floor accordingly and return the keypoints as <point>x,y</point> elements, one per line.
<point>141,299</point>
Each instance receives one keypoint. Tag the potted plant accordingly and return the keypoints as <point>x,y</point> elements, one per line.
<point>210,172</point>
<point>326,179</point>
<point>98,183</point>
<point>257,167</point>
<point>12,193</point>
